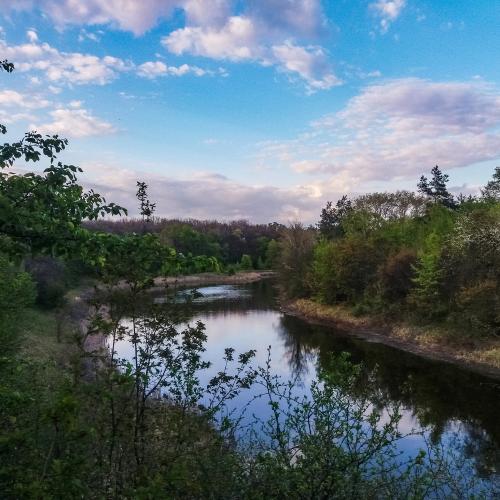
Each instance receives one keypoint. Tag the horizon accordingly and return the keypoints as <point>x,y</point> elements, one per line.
<point>261,111</point>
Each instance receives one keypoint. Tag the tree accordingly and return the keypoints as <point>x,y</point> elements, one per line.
<point>246,262</point>
<point>436,189</point>
<point>296,245</point>
<point>330,223</point>
<point>42,213</point>
<point>146,207</point>
<point>491,191</point>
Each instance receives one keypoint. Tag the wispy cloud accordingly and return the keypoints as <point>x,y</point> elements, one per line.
<point>63,67</point>
<point>396,130</point>
<point>154,69</point>
<point>74,121</point>
<point>387,11</point>
<point>205,195</point>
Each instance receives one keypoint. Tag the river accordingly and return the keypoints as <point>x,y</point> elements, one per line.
<point>447,401</point>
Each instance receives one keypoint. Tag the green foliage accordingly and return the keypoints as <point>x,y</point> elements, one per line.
<point>187,240</point>
<point>40,213</point>
<point>478,305</point>
<point>146,208</point>
<point>436,189</point>
<point>49,274</point>
<point>396,275</point>
<point>272,254</point>
<point>297,246</point>
<point>491,192</point>
<point>330,224</point>
<point>246,262</point>
<point>396,253</point>
<point>344,269</point>
<point>17,292</point>
<point>425,296</point>
<point>81,422</point>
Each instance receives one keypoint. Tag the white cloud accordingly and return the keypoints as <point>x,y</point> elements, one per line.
<point>10,98</point>
<point>310,63</point>
<point>235,40</point>
<point>388,11</point>
<point>74,122</point>
<point>32,36</point>
<point>153,69</point>
<point>130,15</point>
<point>205,196</point>
<point>88,35</point>
<point>272,33</point>
<point>397,130</point>
<point>255,37</point>
<point>64,67</point>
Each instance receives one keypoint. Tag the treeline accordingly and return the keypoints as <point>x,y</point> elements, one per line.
<point>425,257</point>
<point>237,245</point>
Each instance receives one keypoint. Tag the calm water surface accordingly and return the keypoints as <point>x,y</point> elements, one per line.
<point>443,398</point>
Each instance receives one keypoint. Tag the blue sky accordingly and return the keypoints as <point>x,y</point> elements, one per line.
<point>258,109</point>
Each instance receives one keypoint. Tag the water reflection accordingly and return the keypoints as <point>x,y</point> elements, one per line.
<point>450,401</point>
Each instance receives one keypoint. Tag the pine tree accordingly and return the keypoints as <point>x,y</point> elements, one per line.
<point>492,190</point>
<point>436,189</point>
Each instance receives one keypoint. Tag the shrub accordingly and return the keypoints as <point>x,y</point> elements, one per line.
<point>246,262</point>
<point>343,269</point>
<point>17,292</point>
<point>396,275</point>
<point>50,278</point>
<point>479,306</point>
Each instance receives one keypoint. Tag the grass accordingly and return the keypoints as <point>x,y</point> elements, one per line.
<point>38,330</point>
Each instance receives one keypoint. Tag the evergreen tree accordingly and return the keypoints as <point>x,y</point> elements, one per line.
<point>436,189</point>
<point>492,190</point>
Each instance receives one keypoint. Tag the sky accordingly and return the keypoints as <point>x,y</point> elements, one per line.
<point>257,109</point>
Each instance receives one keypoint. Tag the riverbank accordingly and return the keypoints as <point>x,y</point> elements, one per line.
<point>479,355</point>
<point>214,279</point>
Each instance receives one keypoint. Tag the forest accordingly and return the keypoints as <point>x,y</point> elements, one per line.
<point>428,257</point>
<point>78,421</point>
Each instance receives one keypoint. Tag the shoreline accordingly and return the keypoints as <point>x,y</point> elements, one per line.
<point>240,277</point>
<point>405,337</point>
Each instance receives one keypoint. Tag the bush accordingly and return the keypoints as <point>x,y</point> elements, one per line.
<point>246,262</point>
<point>343,269</point>
<point>479,306</point>
<point>396,275</point>
<point>17,292</point>
<point>50,278</point>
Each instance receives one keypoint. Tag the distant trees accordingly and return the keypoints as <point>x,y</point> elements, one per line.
<point>227,241</point>
<point>404,254</point>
